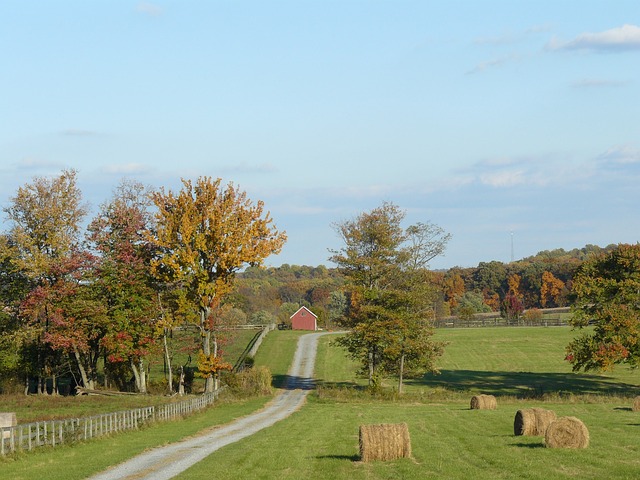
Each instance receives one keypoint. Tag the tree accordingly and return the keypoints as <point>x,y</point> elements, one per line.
<point>551,290</point>
<point>43,246</point>
<point>204,234</point>
<point>606,293</point>
<point>124,278</point>
<point>389,308</point>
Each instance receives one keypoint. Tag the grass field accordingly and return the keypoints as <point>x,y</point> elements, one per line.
<point>523,367</point>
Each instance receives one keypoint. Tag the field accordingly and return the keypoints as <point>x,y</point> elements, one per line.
<point>524,367</point>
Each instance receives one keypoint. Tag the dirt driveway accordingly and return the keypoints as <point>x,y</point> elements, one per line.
<point>170,460</point>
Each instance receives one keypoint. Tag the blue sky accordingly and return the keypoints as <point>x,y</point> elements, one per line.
<point>496,120</point>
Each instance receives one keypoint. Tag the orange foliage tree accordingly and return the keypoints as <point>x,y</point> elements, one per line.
<point>205,234</point>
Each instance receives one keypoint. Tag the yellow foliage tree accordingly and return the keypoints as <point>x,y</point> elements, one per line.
<point>205,233</point>
<point>551,290</point>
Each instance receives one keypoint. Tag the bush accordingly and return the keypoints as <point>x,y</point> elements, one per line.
<point>251,382</point>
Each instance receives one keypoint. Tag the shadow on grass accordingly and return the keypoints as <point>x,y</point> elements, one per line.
<point>529,445</point>
<point>353,458</point>
<point>524,384</point>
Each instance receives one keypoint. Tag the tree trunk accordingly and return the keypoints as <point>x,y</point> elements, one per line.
<point>206,347</point>
<point>167,360</point>
<point>371,368</point>
<point>401,374</point>
<point>216,379</point>
<point>139,375</point>
<point>86,381</point>
<point>181,382</point>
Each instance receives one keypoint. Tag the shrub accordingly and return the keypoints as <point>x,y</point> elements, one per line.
<point>250,382</point>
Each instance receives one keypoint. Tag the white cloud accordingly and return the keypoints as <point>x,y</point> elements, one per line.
<point>617,39</point>
<point>149,9</point>
<point>621,155</point>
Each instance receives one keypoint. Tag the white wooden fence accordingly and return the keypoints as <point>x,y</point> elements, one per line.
<point>56,432</point>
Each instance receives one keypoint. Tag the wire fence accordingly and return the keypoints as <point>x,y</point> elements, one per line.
<point>29,436</point>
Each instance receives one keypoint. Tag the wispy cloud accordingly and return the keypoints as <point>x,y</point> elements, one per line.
<point>77,132</point>
<point>246,168</point>
<point>619,39</point>
<point>620,155</point>
<point>30,163</point>
<point>598,83</point>
<point>126,169</point>
<point>493,63</point>
<point>150,9</point>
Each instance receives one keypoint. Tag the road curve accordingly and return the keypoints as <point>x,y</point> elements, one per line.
<point>170,460</point>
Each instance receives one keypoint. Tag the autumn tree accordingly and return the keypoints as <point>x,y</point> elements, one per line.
<point>390,311</point>
<point>205,233</point>
<point>44,238</point>
<point>606,293</point>
<point>551,290</point>
<point>124,279</point>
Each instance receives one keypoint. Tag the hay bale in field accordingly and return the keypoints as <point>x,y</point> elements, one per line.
<point>636,404</point>
<point>533,421</point>
<point>387,441</point>
<point>567,432</point>
<point>483,402</point>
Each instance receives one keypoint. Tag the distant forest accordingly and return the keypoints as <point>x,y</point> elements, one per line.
<point>265,295</point>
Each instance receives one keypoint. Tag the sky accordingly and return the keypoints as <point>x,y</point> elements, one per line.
<point>512,125</point>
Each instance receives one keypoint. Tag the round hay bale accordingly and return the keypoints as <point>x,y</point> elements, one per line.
<point>387,441</point>
<point>567,432</point>
<point>483,402</point>
<point>533,421</point>
<point>636,404</point>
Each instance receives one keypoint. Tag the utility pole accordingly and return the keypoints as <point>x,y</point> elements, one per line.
<point>511,247</point>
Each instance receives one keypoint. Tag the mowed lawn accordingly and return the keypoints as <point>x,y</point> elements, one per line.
<point>524,366</point>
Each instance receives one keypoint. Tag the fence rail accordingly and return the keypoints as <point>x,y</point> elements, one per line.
<point>552,317</point>
<point>29,436</point>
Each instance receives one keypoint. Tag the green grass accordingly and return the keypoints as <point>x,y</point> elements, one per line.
<point>81,460</point>
<point>276,353</point>
<point>448,439</point>
<point>524,367</point>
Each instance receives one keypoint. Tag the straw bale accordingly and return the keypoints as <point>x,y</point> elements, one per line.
<point>387,441</point>
<point>483,402</point>
<point>533,421</point>
<point>636,404</point>
<point>567,432</point>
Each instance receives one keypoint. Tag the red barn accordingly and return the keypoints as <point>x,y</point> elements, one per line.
<point>304,319</point>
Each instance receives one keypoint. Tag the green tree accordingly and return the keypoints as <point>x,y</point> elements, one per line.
<point>124,278</point>
<point>606,293</point>
<point>206,233</point>
<point>44,245</point>
<point>389,311</point>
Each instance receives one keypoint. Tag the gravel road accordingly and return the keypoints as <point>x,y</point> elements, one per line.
<point>170,460</point>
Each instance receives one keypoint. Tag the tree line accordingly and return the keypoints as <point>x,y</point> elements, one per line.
<point>97,303</point>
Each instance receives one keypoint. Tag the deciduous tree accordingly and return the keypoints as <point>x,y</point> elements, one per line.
<point>606,293</point>
<point>205,233</point>
<point>389,311</point>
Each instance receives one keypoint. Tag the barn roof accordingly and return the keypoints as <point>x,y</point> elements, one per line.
<point>303,308</point>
